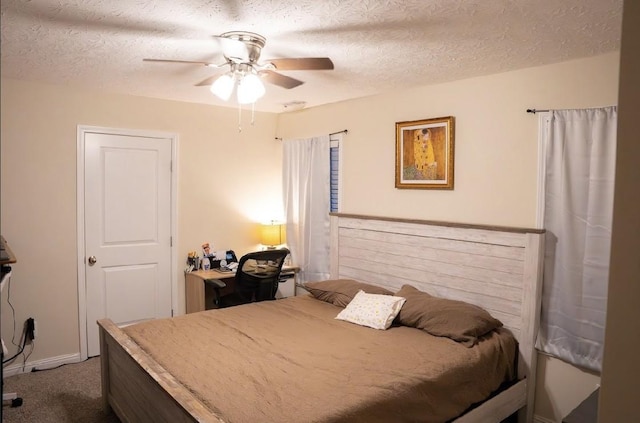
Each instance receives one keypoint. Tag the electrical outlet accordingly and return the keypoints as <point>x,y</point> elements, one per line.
<point>30,329</point>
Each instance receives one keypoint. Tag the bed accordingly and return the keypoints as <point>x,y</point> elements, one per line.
<point>497,269</point>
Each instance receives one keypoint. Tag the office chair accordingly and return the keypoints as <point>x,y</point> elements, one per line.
<point>256,279</point>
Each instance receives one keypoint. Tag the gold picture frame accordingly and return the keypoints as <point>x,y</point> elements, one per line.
<point>424,154</point>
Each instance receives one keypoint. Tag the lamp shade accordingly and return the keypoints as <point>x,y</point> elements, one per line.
<point>250,89</point>
<point>271,234</point>
<point>223,86</point>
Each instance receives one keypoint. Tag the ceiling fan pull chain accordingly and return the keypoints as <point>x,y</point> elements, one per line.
<point>239,117</point>
<point>253,113</point>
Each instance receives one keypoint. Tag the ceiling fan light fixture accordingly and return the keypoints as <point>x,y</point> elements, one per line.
<point>250,89</point>
<point>241,50</point>
<point>223,86</point>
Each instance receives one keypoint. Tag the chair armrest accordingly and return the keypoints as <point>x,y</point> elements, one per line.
<point>216,283</point>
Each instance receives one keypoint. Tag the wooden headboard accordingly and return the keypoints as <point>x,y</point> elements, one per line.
<point>496,268</point>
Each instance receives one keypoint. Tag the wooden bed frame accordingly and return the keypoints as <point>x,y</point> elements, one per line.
<point>497,268</point>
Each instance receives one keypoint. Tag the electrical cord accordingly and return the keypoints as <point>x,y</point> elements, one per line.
<point>21,348</point>
<point>26,357</point>
<point>60,365</point>
<point>13,310</point>
<point>13,337</point>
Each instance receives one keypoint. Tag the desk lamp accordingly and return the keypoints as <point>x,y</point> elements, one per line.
<point>271,235</point>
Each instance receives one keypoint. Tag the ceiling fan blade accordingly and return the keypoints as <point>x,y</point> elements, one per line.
<point>207,81</point>
<point>280,80</point>
<point>303,63</point>
<point>191,62</point>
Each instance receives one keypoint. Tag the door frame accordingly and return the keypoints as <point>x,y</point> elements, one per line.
<point>82,130</point>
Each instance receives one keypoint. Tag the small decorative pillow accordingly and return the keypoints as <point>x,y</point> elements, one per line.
<point>372,310</point>
<point>460,321</point>
<point>340,292</point>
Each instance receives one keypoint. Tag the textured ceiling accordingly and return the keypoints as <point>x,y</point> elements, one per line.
<point>376,45</point>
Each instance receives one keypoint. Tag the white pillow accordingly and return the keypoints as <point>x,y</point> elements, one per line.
<point>373,310</point>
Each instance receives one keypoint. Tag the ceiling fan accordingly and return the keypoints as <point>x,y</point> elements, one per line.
<point>241,51</point>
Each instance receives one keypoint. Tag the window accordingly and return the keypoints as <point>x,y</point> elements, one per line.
<point>335,154</point>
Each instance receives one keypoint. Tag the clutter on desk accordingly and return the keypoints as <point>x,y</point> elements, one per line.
<point>207,256</point>
<point>228,267</point>
<point>224,260</point>
<point>206,263</point>
<point>193,261</point>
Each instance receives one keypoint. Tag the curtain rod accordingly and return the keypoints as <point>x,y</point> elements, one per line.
<point>345,131</point>
<point>534,111</point>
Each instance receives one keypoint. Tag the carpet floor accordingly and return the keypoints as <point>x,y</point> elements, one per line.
<point>70,393</point>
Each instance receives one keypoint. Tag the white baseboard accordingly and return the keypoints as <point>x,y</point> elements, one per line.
<point>538,419</point>
<point>47,363</point>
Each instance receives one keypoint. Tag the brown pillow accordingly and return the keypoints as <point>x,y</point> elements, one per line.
<point>340,292</point>
<point>460,321</point>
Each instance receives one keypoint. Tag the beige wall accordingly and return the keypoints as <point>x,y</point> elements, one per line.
<point>621,368</point>
<point>495,140</point>
<point>227,181</point>
<point>495,162</point>
<point>495,180</point>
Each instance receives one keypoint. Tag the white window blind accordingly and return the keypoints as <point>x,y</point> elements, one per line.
<point>335,172</point>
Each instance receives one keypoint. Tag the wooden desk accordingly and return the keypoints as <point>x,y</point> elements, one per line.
<point>199,296</point>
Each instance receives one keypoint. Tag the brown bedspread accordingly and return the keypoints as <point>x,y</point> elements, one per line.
<point>291,361</point>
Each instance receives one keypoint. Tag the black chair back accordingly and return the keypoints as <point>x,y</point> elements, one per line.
<point>258,275</point>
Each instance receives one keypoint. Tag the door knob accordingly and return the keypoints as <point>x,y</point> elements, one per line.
<point>92,260</point>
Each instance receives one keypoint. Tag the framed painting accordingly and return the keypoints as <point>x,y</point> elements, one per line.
<point>424,153</point>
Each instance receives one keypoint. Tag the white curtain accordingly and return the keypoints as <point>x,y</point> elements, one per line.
<point>306,204</point>
<point>578,206</point>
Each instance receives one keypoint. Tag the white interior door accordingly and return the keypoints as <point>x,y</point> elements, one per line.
<point>127,215</point>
